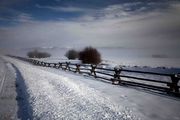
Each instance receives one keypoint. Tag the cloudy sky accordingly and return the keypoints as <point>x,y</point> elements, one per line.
<point>149,24</point>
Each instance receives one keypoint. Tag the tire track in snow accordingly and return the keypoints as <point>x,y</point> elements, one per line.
<point>4,74</point>
<point>2,81</point>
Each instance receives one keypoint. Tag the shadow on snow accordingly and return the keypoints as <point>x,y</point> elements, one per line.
<point>24,107</point>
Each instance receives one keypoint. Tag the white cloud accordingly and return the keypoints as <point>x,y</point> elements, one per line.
<point>117,11</point>
<point>24,17</point>
<point>109,12</point>
<point>15,16</point>
<point>64,9</point>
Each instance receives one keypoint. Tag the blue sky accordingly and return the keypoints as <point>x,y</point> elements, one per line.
<point>147,24</point>
<point>43,10</point>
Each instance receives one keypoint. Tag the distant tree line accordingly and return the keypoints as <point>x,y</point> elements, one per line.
<point>88,55</point>
<point>37,54</point>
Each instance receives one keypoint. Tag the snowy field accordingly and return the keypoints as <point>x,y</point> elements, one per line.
<point>116,56</point>
<point>47,93</point>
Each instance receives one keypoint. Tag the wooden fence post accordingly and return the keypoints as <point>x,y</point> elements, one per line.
<point>54,65</point>
<point>77,68</point>
<point>44,64</point>
<point>93,67</point>
<point>117,72</point>
<point>67,66</point>
<point>60,65</point>
<point>34,62</point>
<point>174,85</point>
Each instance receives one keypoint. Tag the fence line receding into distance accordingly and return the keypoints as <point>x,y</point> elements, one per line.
<point>117,76</point>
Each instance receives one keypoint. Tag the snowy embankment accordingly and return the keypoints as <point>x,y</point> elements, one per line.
<point>55,94</point>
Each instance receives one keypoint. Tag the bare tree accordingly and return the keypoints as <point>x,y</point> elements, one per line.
<point>37,54</point>
<point>90,55</point>
<point>71,54</point>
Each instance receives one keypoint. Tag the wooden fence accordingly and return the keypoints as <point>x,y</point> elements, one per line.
<point>119,76</point>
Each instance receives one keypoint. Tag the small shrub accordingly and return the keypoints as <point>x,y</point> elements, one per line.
<point>90,55</point>
<point>37,54</point>
<point>71,54</point>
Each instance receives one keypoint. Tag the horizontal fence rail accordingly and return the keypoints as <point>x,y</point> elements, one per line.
<point>118,76</point>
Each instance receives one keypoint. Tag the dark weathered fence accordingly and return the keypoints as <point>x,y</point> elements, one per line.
<point>118,76</point>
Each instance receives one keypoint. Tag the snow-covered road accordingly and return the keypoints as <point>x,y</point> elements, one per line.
<point>55,94</point>
<point>8,103</point>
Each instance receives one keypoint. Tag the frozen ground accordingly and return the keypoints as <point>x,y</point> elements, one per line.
<point>54,94</point>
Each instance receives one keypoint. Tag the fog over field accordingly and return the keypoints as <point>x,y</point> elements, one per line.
<point>129,30</point>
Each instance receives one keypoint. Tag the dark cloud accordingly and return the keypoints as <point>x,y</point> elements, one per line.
<point>11,3</point>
